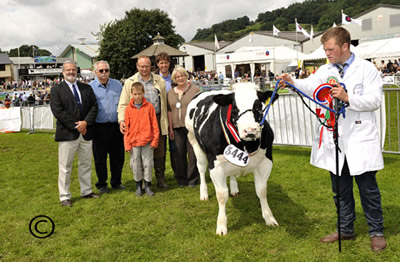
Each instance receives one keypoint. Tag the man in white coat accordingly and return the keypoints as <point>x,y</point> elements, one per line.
<point>360,154</point>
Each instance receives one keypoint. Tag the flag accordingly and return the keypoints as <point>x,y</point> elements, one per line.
<point>251,37</point>
<point>312,33</point>
<point>346,20</point>
<point>216,44</point>
<point>275,31</point>
<point>334,24</point>
<point>299,28</point>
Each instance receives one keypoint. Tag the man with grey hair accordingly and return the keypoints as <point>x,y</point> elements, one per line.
<point>107,139</point>
<point>74,106</point>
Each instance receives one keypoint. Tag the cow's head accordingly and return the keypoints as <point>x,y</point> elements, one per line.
<point>248,106</point>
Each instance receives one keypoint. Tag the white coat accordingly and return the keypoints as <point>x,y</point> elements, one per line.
<point>359,139</point>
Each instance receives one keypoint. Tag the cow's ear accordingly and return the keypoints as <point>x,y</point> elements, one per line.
<point>263,96</point>
<point>223,100</point>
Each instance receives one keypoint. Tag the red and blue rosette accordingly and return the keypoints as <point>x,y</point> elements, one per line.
<point>323,95</point>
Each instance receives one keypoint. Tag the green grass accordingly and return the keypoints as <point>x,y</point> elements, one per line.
<point>175,225</point>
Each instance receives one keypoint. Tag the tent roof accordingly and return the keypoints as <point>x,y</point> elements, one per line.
<point>389,47</point>
<point>209,45</point>
<point>155,49</point>
<point>90,50</point>
<point>319,53</point>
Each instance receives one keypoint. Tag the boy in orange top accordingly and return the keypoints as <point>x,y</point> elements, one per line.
<point>141,138</point>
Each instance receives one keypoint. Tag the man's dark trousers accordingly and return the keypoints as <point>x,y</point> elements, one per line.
<point>108,140</point>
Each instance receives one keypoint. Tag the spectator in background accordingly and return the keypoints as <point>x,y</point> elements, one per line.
<point>7,101</point>
<point>389,66</point>
<point>271,75</point>
<point>31,100</point>
<point>107,139</point>
<point>297,72</point>
<point>382,66</point>
<point>395,66</point>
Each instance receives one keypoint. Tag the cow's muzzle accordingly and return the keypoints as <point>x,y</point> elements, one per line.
<point>251,133</point>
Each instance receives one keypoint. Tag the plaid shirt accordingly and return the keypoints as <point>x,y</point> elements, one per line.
<point>151,93</point>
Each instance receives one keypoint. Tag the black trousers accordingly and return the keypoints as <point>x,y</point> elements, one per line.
<point>186,170</point>
<point>108,140</point>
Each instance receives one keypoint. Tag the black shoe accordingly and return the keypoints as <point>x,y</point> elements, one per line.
<point>161,184</point>
<point>66,203</point>
<point>147,188</point>
<point>120,186</point>
<point>139,189</point>
<point>91,195</point>
<point>103,190</point>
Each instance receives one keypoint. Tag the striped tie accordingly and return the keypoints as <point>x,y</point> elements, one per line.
<point>341,69</point>
<point>78,101</point>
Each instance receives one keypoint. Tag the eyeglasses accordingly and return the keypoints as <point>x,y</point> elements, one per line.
<point>104,70</point>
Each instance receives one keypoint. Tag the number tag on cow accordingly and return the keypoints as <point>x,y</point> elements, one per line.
<point>236,156</point>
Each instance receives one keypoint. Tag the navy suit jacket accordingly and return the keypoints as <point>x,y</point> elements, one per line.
<point>66,110</point>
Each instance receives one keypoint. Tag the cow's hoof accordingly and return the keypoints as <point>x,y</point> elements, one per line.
<point>271,221</point>
<point>234,194</point>
<point>222,230</point>
<point>203,197</point>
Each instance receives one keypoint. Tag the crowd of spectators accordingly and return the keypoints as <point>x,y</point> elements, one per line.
<point>389,67</point>
<point>28,92</point>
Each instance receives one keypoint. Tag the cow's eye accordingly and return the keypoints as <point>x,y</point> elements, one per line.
<point>234,114</point>
<point>257,110</point>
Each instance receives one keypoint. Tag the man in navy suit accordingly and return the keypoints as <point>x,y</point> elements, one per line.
<point>74,106</point>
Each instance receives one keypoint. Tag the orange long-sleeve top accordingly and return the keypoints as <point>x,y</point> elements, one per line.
<point>141,125</point>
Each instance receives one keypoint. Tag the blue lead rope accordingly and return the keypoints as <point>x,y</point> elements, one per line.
<point>341,111</point>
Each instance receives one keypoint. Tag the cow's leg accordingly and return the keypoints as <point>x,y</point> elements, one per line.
<point>221,189</point>
<point>233,185</point>
<point>201,159</point>
<point>261,175</point>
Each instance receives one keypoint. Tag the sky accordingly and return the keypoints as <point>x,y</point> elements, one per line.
<point>54,24</point>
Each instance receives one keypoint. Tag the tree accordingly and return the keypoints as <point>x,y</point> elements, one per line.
<point>28,50</point>
<point>121,39</point>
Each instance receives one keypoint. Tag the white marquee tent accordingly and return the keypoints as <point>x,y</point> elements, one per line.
<point>319,53</point>
<point>383,48</point>
<point>277,57</point>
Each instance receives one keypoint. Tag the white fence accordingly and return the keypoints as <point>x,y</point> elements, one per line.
<point>292,122</point>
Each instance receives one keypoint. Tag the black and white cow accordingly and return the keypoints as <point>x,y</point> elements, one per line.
<point>217,119</point>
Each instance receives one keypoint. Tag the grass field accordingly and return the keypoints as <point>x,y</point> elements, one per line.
<point>175,225</point>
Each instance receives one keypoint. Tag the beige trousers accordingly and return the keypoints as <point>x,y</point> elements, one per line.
<point>141,162</point>
<point>66,153</point>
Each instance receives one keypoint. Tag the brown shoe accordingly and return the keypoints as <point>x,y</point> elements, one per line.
<point>335,237</point>
<point>91,195</point>
<point>378,243</point>
<point>66,203</point>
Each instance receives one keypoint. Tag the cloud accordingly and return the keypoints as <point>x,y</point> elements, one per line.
<point>54,24</point>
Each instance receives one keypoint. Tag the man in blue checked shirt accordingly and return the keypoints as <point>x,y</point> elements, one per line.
<point>107,137</point>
